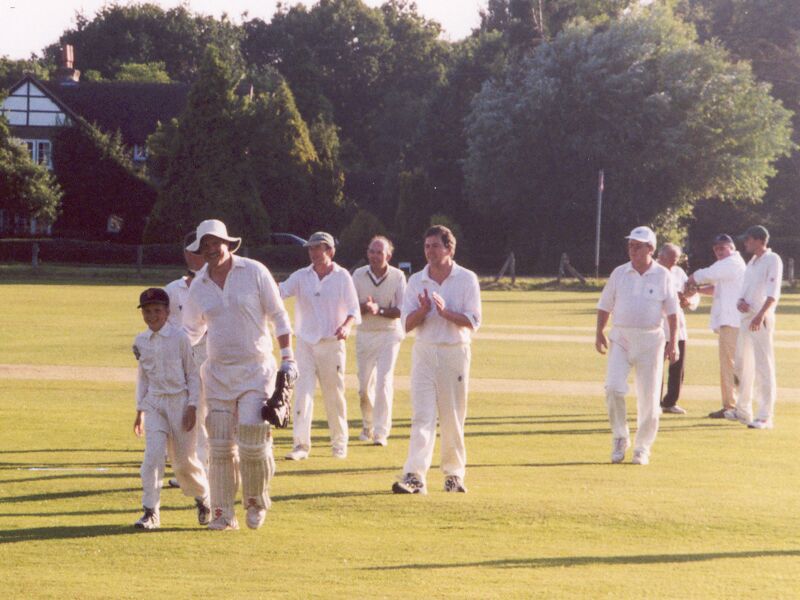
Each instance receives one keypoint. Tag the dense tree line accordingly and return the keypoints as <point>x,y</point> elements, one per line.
<point>349,117</point>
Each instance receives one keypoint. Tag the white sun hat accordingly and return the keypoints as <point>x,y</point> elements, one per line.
<point>217,229</point>
<point>643,234</point>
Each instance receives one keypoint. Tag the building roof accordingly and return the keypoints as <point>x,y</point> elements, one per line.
<point>133,108</point>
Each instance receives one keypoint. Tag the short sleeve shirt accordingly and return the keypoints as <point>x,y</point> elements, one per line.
<point>639,301</point>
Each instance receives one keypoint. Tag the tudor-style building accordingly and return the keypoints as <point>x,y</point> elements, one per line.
<point>37,109</point>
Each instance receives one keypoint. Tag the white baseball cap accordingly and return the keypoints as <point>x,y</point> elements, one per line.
<point>217,229</point>
<point>643,234</point>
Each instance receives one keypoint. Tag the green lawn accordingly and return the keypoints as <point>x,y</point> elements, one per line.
<point>715,515</point>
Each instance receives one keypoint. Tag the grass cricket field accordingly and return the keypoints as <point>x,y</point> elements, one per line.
<point>716,514</point>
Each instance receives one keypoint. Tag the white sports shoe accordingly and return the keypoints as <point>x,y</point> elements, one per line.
<point>297,453</point>
<point>339,452</point>
<point>380,441</point>
<point>618,448</point>
<point>675,410</point>
<point>255,514</point>
<point>149,520</point>
<point>640,457</point>
<point>220,523</point>
<point>734,415</point>
<point>365,435</point>
<point>761,424</point>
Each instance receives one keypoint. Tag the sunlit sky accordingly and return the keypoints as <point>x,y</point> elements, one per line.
<point>27,26</point>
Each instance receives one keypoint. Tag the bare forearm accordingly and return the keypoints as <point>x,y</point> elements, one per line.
<point>415,319</point>
<point>602,320</point>
<point>459,319</point>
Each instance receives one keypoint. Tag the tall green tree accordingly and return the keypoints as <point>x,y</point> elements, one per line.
<point>25,187</point>
<point>671,121</point>
<point>207,173</point>
<point>145,33</point>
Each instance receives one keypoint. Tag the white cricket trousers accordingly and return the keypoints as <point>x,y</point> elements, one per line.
<point>163,430</point>
<point>376,354</point>
<point>323,361</point>
<point>439,383</point>
<point>755,368</point>
<point>642,350</point>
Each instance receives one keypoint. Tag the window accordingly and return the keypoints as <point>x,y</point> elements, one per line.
<point>139,153</point>
<point>40,151</point>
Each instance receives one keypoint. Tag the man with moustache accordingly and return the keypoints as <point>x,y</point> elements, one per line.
<point>234,299</point>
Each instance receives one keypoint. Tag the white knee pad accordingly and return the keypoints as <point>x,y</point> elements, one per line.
<point>222,465</point>
<point>256,466</point>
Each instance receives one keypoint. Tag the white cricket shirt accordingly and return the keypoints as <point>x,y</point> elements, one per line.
<point>639,301</point>
<point>726,276</point>
<point>237,316</point>
<point>679,279</point>
<point>178,292</point>
<point>762,280</point>
<point>461,293</point>
<point>166,366</point>
<point>387,291</point>
<point>322,305</point>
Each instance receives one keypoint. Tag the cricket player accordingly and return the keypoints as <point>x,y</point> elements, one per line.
<point>639,294</point>
<point>167,394</point>
<point>325,312</point>
<point>443,304</point>
<point>723,280</point>
<point>380,289</point>
<point>668,258</point>
<point>755,355</point>
<point>234,300</point>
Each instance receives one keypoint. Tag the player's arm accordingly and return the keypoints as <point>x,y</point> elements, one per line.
<point>671,352</point>
<point>192,385</point>
<point>600,340</point>
<point>142,384</point>
<point>193,319</point>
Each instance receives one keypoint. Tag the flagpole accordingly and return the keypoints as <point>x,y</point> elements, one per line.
<point>600,187</point>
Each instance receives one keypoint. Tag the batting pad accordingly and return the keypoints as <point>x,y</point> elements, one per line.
<point>222,466</point>
<point>256,466</point>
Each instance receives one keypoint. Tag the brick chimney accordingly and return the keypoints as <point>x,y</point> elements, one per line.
<point>66,73</point>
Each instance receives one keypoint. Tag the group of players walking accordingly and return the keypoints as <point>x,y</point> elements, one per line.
<point>206,368</point>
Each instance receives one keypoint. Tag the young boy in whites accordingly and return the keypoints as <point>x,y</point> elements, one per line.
<point>167,393</point>
<point>380,289</point>
<point>443,304</point>
<point>723,280</point>
<point>639,294</point>
<point>234,300</point>
<point>668,258</point>
<point>325,311</point>
<point>755,353</point>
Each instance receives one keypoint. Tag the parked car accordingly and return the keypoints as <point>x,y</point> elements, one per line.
<point>286,239</point>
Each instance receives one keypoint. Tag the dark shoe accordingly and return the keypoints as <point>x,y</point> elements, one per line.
<point>409,484</point>
<point>717,414</point>
<point>203,511</point>
<point>173,483</point>
<point>453,483</point>
<point>149,520</point>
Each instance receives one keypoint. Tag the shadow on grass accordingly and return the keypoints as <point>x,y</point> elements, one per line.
<point>34,534</point>
<point>97,475</point>
<point>54,450</point>
<point>577,561</point>
<point>319,495</point>
<point>43,467</point>
<point>66,495</point>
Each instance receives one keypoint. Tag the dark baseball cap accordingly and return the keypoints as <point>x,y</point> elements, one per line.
<point>757,232</point>
<point>153,296</point>
<point>723,238</point>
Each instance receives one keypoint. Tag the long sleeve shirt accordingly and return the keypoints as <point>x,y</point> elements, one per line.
<point>679,279</point>
<point>321,305</point>
<point>726,276</point>
<point>462,294</point>
<point>166,366</point>
<point>639,301</point>
<point>386,291</point>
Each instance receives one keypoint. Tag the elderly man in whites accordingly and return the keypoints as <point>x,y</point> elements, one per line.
<point>723,280</point>
<point>668,258</point>
<point>234,300</point>
<point>755,354</point>
<point>380,289</point>
<point>639,294</point>
<point>325,312</point>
